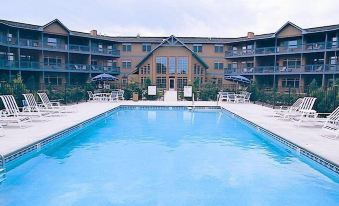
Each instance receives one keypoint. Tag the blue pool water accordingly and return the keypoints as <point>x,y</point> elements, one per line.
<point>167,157</point>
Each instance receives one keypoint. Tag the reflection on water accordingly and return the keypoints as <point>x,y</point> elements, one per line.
<point>159,157</point>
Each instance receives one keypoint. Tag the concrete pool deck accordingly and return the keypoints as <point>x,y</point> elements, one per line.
<point>312,138</point>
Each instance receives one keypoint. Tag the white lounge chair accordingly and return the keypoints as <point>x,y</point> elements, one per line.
<point>282,110</point>
<point>90,96</point>
<point>47,104</point>
<point>243,97</point>
<point>33,106</point>
<point>304,110</point>
<point>12,109</point>
<point>9,115</point>
<point>114,96</point>
<point>121,94</point>
<point>228,96</point>
<point>332,122</point>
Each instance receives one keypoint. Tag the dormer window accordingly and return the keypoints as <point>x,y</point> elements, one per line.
<point>197,48</point>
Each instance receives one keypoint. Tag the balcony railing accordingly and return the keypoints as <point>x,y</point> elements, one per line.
<point>309,68</point>
<point>57,46</point>
<point>105,51</point>
<point>314,46</point>
<point>308,47</point>
<point>78,48</point>
<point>30,43</point>
<point>57,67</point>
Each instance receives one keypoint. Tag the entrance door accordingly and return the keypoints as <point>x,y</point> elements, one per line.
<point>171,84</point>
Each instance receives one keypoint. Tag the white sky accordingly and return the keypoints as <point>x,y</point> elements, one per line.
<point>210,18</point>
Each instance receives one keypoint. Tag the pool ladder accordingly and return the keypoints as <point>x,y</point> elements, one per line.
<point>2,169</point>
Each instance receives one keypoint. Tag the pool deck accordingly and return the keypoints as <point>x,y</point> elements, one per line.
<point>312,138</point>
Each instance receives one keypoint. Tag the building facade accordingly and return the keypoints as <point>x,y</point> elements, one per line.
<point>52,54</point>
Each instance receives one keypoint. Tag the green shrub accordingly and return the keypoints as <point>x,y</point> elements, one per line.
<point>208,92</point>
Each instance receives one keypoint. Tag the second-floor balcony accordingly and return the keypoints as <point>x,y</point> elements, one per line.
<point>79,48</point>
<point>30,43</point>
<point>57,67</point>
<point>57,46</point>
<point>109,52</point>
<point>261,70</point>
<point>303,48</point>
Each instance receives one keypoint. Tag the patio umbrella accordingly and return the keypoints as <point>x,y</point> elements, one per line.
<point>237,78</point>
<point>104,77</point>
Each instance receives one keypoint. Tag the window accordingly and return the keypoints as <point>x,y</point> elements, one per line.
<point>334,41</point>
<point>52,61</point>
<point>161,63</point>
<point>218,48</point>
<point>146,47</point>
<point>292,44</point>
<point>143,81</point>
<point>333,60</point>
<point>197,47</point>
<point>145,69</point>
<point>10,56</point>
<point>182,63</point>
<point>53,80</point>
<point>109,63</point>
<point>25,58</point>
<point>100,48</point>
<point>290,83</point>
<point>234,50</point>
<point>182,81</point>
<point>218,65</point>
<point>234,65</point>
<point>52,42</point>
<point>126,64</point>
<point>126,47</point>
<point>124,82</point>
<point>291,63</point>
<point>9,37</point>
<point>197,69</point>
<point>318,61</point>
<point>171,65</point>
<point>161,82</point>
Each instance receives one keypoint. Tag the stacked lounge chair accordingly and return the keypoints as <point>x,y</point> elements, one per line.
<point>49,105</point>
<point>33,106</point>
<point>12,114</point>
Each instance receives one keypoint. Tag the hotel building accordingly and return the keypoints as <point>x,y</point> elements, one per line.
<point>52,54</point>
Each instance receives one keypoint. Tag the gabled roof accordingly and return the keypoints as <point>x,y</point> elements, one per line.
<point>288,24</point>
<point>172,41</point>
<point>55,21</point>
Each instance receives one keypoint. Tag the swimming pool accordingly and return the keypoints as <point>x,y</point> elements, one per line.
<point>167,157</point>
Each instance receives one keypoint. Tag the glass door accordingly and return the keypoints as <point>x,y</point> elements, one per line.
<point>171,84</point>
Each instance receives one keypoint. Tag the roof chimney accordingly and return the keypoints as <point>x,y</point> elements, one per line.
<point>94,32</point>
<point>250,35</point>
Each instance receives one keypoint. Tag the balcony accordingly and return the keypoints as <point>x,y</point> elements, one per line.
<point>40,66</point>
<point>107,52</point>
<point>303,48</point>
<point>79,48</point>
<point>30,43</point>
<point>303,69</point>
<point>314,46</point>
<point>265,50</point>
<point>56,47</point>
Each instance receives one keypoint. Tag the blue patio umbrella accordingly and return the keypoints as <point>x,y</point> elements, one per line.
<point>104,77</point>
<point>237,78</point>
